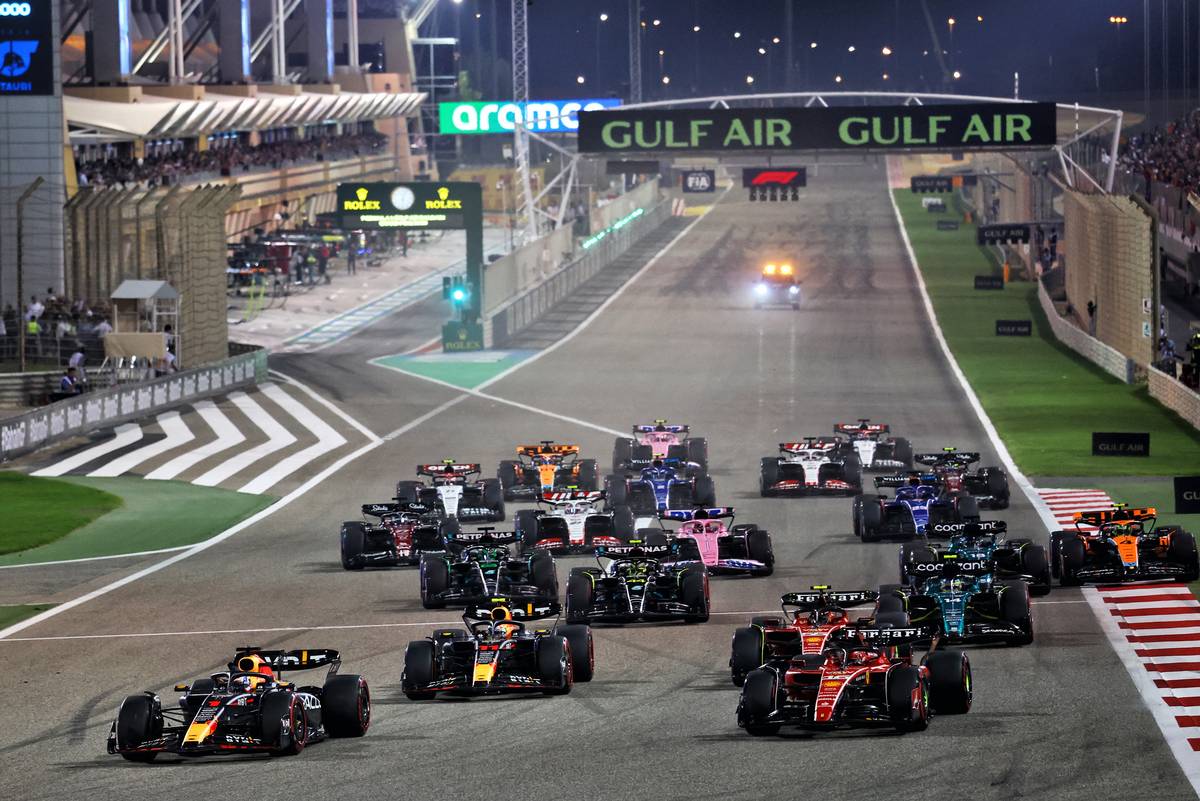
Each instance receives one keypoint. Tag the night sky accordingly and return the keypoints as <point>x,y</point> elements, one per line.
<point>1061,48</point>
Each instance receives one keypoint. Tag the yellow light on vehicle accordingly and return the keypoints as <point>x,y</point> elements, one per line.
<point>785,269</point>
<point>769,269</point>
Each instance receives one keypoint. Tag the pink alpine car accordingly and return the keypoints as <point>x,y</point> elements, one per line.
<point>659,441</point>
<point>708,536</point>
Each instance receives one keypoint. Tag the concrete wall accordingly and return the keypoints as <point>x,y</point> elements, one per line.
<point>641,197</point>
<point>525,267</point>
<point>1107,358</point>
<point>31,146</point>
<point>1112,255</point>
<point>1173,394</point>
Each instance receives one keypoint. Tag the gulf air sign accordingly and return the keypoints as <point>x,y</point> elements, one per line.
<point>548,116</point>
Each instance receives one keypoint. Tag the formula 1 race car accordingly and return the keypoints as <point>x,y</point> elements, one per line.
<point>874,449</point>
<point>573,523</point>
<point>975,547</point>
<point>809,618</point>
<point>404,532</point>
<point>987,485</point>
<point>1125,546</point>
<point>546,467</point>
<point>246,709</point>
<point>638,582</point>
<point>453,494</point>
<point>815,466</point>
<point>777,286</point>
<point>482,567</point>
<point>862,679</point>
<point>965,604</point>
<point>659,441</point>
<point>723,549</point>
<point>663,485</point>
<point>918,502</point>
<point>496,654</point>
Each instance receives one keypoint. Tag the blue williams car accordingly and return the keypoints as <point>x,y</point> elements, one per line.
<point>963,606</point>
<point>972,543</point>
<point>918,504</point>
<point>665,484</point>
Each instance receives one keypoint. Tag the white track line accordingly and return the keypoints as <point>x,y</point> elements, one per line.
<point>133,555</point>
<point>321,399</point>
<point>227,435</point>
<point>1175,737</point>
<point>177,433</point>
<point>278,438</point>
<point>327,440</point>
<point>125,435</point>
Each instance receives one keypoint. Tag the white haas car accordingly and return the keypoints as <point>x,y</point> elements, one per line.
<point>455,491</point>
<point>873,447</point>
<point>815,466</point>
<point>572,522</point>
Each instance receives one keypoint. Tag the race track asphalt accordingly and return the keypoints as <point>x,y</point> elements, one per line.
<point>1059,719</point>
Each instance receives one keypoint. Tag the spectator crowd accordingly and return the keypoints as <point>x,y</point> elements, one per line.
<point>227,157</point>
<point>1167,154</point>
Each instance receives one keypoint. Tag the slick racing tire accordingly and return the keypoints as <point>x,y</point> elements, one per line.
<point>408,491</point>
<point>622,453</point>
<point>1056,540</point>
<point>891,620</point>
<point>747,653</point>
<point>768,475</point>
<point>889,602</point>
<point>1070,559</point>
<point>139,719</point>
<point>493,498</point>
<point>580,594</point>
<point>1015,609</point>
<point>917,563</point>
<point>583,650</point>
<point>872,520</point>
<point>758,548</point>
<point>554,664</point>
<point>588,477</point>
<point>617,491</point>
<point>420,667</point>
<point>509,478</point>
<point>1034,563</point>
<point>346,706</point>
<point>852,473</point>
<point>526,525</point>
<point>697,451</point>
<point>652,538</point>
<point>541,572</point>
<point>757,702</point>
<point>276,707</point>
<point>1182,551</point>
<point>353,542</point>
<point>949,682</point>
<point>624,524</point>
<point>435,580</point>
<point>856,515</point>
<point>908,698</point>
<point>997,487</point>
<point>706,491</point>
<point>902,452</point>
<point>450,528</point>
<point>966,508</point>
<point>693,591</point>
<point>682,496</point>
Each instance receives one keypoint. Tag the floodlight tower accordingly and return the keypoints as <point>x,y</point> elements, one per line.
<point>526,216</point>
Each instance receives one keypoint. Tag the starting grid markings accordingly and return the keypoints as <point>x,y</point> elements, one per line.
<point>1157,625</point>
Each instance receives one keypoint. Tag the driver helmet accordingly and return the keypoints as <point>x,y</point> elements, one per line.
<point>657,463</point>
<point>836,656</point>
<point>253,663</point>
<point>506,629</point>
<point>660,427</point>
<point>914,481</point>
<point>829,617</point>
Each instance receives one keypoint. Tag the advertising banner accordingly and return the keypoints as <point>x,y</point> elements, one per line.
<point>26,48</point>
<point>543,116</point>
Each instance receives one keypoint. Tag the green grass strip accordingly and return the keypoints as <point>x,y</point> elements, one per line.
<point>1044,400</point>
<point>38,511</point>
<point>18,612</point>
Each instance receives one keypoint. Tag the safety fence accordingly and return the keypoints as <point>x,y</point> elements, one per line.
<point>528,307</point>
<point>1107,358</point>
<point>105,408</point>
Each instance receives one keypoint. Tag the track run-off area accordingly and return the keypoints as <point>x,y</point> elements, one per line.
<point>1059,719</point>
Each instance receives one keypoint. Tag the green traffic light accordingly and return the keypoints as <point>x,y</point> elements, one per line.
<point>458,295</point>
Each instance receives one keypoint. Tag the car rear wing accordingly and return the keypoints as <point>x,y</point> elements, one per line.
<point>708,513</point>
<point>861,427</point>
<point>947,455</point>
<point>817,599</point>
<point>1117,514</point>
<point>902,479</point>
<point>400,508</point>
<point>571,496</point>
<point>661,425</point>
<point>981,527</point>
<point>810,444</point>
<point>634,549</point>
<point>448,468</point>
<point>547,449</point>
<point>871,636</point>
<point>298,659</point>
<point>486,536</point>
<point>503,607</point>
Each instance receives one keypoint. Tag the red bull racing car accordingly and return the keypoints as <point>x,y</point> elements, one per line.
<point>247,708</point>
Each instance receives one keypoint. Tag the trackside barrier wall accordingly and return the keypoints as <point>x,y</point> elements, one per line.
<point>525,309</point>
<point>1173,394</point>
<point>528,265</point>
<point>1107,358</point>
<point>1113,247</point>
<point>641,197</point>
<point>109,407</point>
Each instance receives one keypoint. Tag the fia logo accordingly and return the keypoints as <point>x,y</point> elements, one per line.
<point>15,57</point>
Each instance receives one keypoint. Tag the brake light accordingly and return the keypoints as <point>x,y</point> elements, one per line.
<point>769,269</point>
<point>785,269</point>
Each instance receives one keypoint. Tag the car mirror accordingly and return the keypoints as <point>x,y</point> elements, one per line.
<point>181,688</point>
